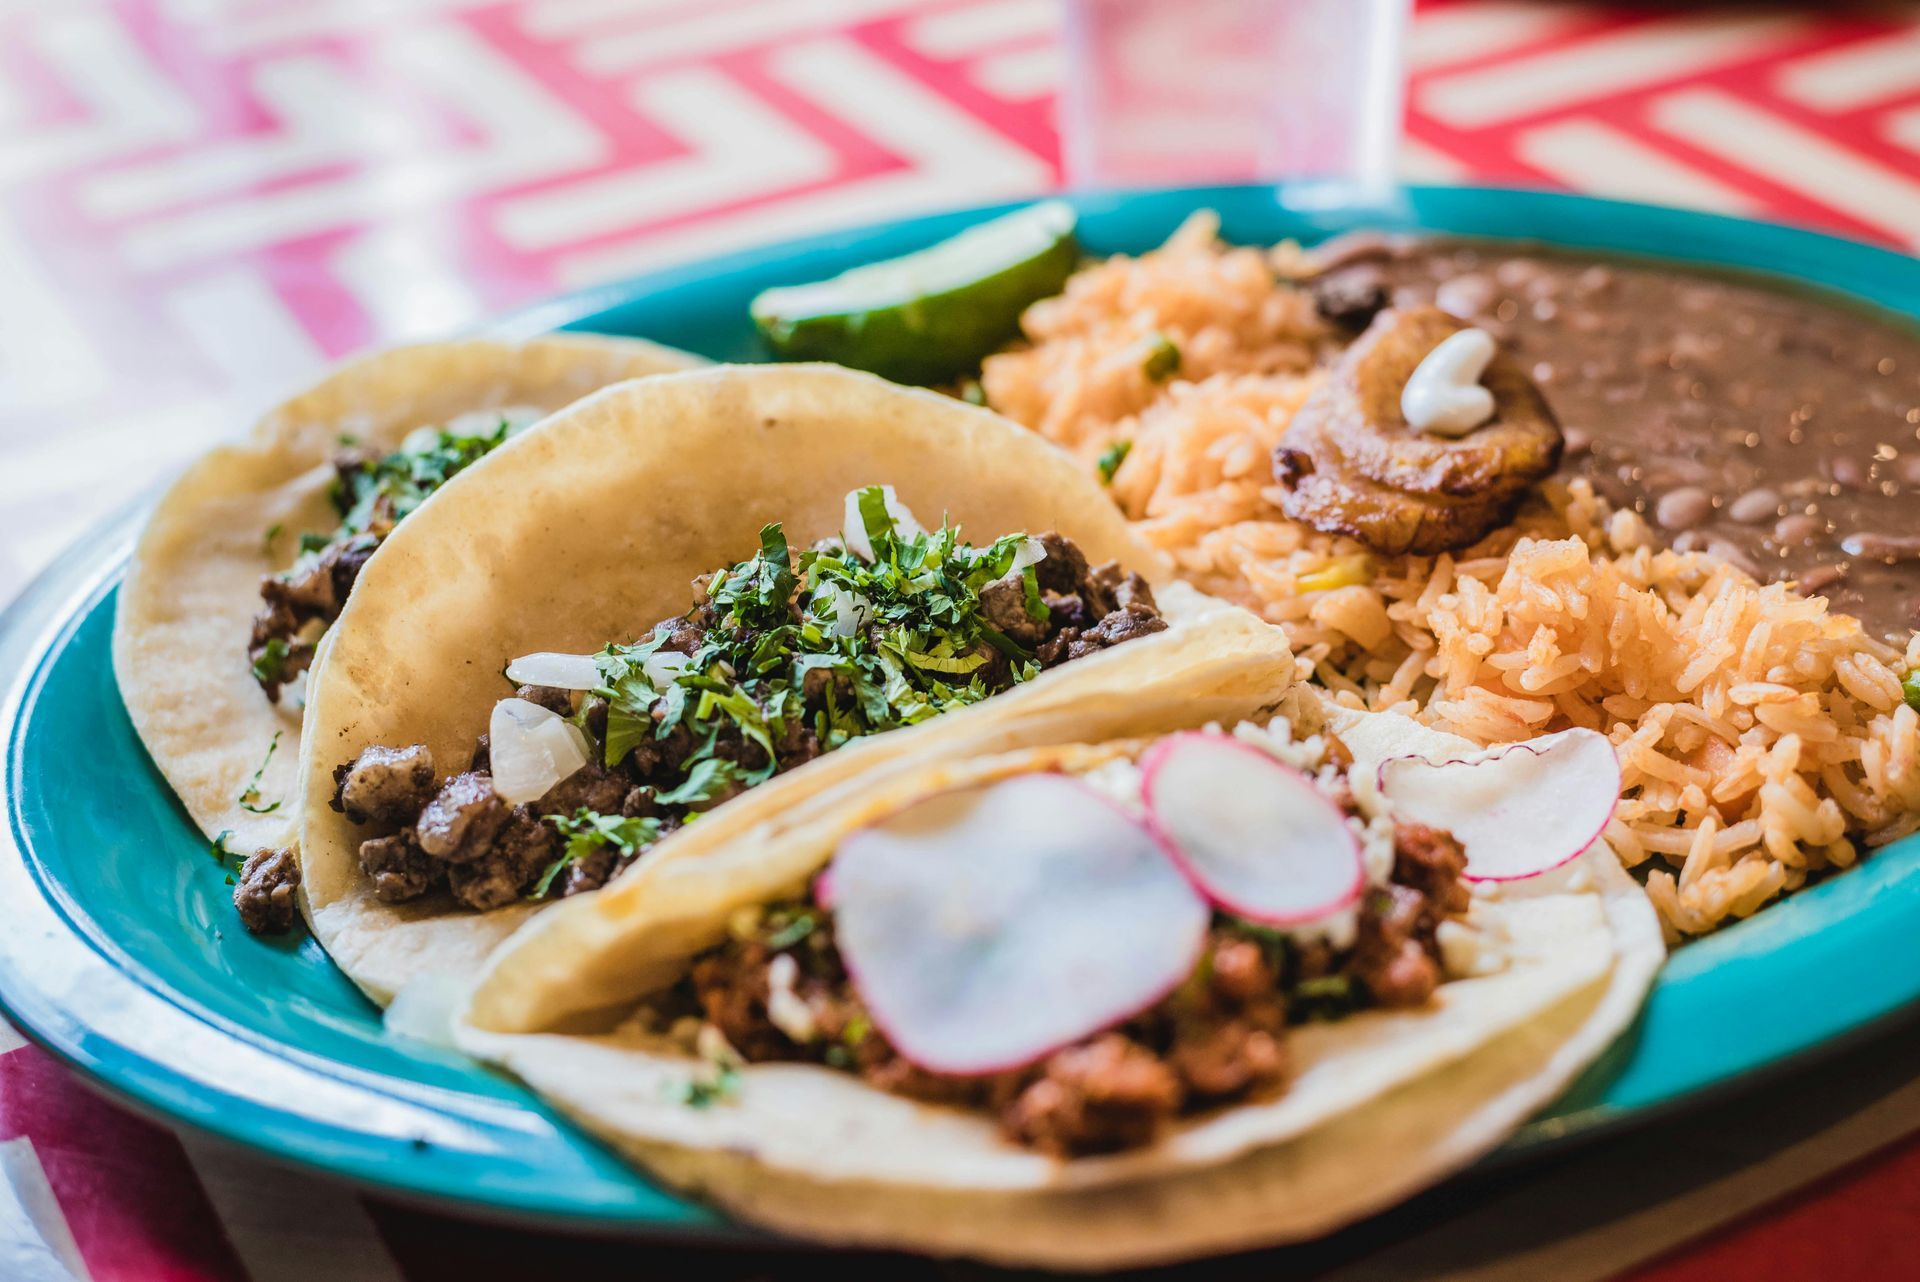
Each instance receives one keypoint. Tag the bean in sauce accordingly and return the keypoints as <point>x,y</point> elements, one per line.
<point>1776,426</point>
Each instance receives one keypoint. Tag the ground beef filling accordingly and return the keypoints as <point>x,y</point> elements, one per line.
<point>315,589</point>
<point>457,834</point>
<point>1218,1039</point>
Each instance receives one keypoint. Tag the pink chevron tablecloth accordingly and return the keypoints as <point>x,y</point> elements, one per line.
<point>203,201</point>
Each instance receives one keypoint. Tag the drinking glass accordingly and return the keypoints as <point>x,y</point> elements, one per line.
<point>1197,91</point>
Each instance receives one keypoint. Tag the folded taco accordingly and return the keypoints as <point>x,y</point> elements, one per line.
<point>250,555</point>
<point>1097,1004</point>
<point>686,601</point>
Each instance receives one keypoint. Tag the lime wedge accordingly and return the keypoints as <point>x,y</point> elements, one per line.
<point>933,315</point>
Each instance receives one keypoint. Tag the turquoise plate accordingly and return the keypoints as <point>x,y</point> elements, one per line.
<point>119,951</point>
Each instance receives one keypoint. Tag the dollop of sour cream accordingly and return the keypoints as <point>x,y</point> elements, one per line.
<point>1444,395</point>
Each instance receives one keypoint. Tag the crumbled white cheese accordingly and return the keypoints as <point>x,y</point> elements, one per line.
<point>1276,739</point>
<point>1462,954</point>
<point>1119,781</point>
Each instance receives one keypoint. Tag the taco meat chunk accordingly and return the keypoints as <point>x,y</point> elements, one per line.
<point>264,892</point>
<point>384,785</point>
<point>780,658</point>
<point>777,990</point>
<point>371,495</point>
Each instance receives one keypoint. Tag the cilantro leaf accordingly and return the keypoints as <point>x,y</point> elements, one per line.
<point>272,662</point>
<point>250,795</point>
<point>707,780</point>
<point>1111,458</point>
<point>588,832</point>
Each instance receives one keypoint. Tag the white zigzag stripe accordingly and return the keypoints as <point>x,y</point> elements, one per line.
<point>1590,155</point>
<point>1568,76</point>
<point>958,33</point>
<point>46,357</point>
<point>954,158</point>
<point>740,147</point>
<point>129,101</point>
<point>36,1245</point>
<point>707,32</point>
<point>526,134</point>
<point>1796,158</point>
<point>1856,75</point>
<point>324,118</point>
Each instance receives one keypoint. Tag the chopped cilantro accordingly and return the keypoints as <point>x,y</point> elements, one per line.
<point>1910,689</point>
<point>249,798</point>
<point>785,934</point>
<point>375,493</point>
<point>1327,997</point>
<point>708,779</point>
<point>803,652</point>
<point>225,854</point>
<point>1111,458</point>
<point>1162,359</point>
<point>266,541</point>
<point>706,1090</point>
<point>588,832</point>
<point>629,694</point>
<point>272,662</point>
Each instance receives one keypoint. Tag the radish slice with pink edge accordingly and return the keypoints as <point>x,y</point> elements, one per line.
<point>1518,809</point>
<point>1254,834</point>
<point>987,927</point>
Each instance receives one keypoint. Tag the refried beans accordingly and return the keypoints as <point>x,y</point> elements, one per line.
<point>1775,427</point>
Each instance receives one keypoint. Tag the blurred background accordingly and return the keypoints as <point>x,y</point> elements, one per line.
<point>202,201</point>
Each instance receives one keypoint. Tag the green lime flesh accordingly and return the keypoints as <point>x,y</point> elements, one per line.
<point>930,316</point>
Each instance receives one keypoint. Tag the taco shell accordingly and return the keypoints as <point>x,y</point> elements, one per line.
<point>1382,1102</point>
<point>591,529</point>
<point>193,586</point>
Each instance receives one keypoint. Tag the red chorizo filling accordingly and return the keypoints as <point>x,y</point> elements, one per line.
<point>778,991</point>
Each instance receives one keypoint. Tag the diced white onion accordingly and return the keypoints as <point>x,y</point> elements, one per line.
<point>420,440</point>
<point>851,611</point>
<point>662,666</point>
<point>550,668</point>
<point>532,749</point>
<point>854,528</point>
<point>1030,552</point>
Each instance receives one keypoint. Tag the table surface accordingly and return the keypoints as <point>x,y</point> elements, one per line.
<point>204,201</point>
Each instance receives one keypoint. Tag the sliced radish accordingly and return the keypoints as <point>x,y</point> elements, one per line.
<point>561,671</point>
<point>532,748</point>
<point>989,926</point>
<point>1253,834</point>
<point>1519,809</point>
